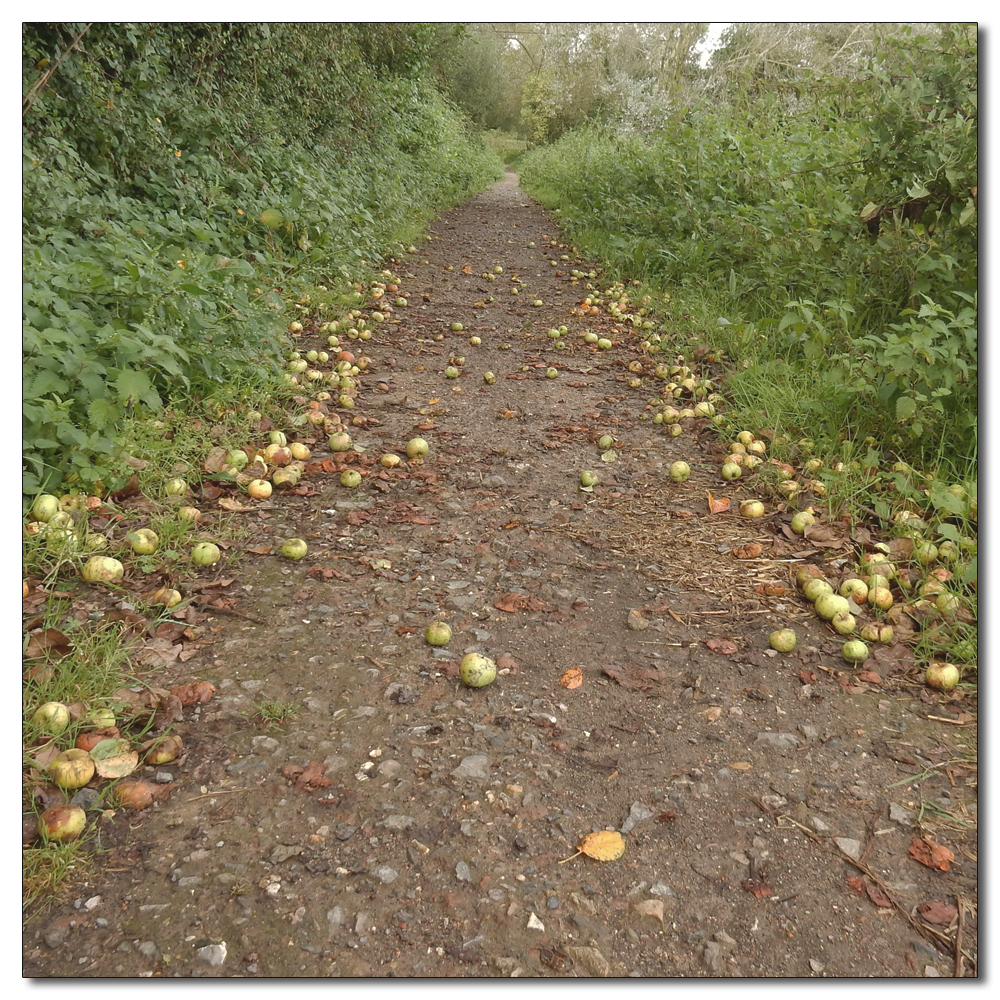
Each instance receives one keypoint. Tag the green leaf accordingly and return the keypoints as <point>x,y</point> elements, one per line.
<point>103,413</point>
<point>905,407</point>
<point>134,387</point>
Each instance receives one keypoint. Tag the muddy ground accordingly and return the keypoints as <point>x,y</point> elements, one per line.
<point>402,824</point>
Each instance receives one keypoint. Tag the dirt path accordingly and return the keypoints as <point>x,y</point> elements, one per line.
<point>427,840</point>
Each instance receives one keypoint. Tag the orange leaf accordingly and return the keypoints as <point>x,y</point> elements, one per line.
<point>930,854</point>
<point>572,678</point>
<point>716,506</point>
<point>750,551</point>
<point>466,269</point>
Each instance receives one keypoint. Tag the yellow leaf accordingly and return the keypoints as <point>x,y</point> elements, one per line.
<point>741,765</point>
<point>605,845</point>
<point>712,713</point>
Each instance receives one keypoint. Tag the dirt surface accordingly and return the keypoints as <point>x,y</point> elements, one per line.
<point>402,824</point>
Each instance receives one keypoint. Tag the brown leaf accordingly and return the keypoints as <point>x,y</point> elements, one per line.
<point>521,602</point>
<point>936,912</point>
<point>750,551</point>
<point>194,693</point>
<point>757,889</point>
<point>48,642</point>
<point>870,677</point>
<point>632,677</point>
<point>723,646</point>
<point>827,536</point>
<point>508,663</point>
<point>770,590</point>
<point>807,677</point>
<point>930,854</point>
<point>877,896</point>
<point>308,778</point>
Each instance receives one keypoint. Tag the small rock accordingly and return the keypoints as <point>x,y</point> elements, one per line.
<point>214,954</point>
<point>384,874</point>
<point>337,916</point>
<point>638,811</point>
<point>898,814</point>
<point>636,621</point>
<point>398,821</point>
<point>535,924</point>
<point>818,825</point>
<point>285,851</point>
<point>475,766</point>
<point>591,959</point>
<point>850,846</point>
<point>148,949</point>
<point>787,741</point>
<point>462,872</point>
<point>815,965</point>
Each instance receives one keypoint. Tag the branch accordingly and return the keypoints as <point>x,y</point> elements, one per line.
<point>39,85</point>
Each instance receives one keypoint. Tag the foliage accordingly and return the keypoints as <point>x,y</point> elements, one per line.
<point>837,237</point>
<point>182,179</point>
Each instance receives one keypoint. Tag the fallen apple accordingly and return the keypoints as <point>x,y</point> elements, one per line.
<point>189,514</point>
<point>680,471</point>
<point>843,622</point>
<point>62,822</point>
<point>72,768</point>
<point>752,508</point>
<point>299,451</point>
<point>205,554</point>
<point>854,652</point>
<point>783,640</point>
<point>881,598</point>
<point>144,541</point>
<point>294,548</point>
<point>489,378</point>
<point>44,507</point>
<point>277,437</point>
<point>102,569</point>
<point>588,478</point>
<point>52,717</point>
<point>457,328</point>
<point>259,489</point>
<point>417,448</point>
<point>350,478</point>
<point>476,670</point>
<point>340,442</point>
<point>605,441</point>
<point>815,587</point>
<point>942,676</point>
<point>176,487</point>
<point>552,373</point>
<point>855,589</point>
<point>166,596</point>
<point>877,632</point>
<point>451,372</point>
<point>829,604</point>
<point>801,520</point>
<point>438,633</point>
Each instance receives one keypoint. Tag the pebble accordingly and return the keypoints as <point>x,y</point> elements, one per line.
<point>214,954</point>
<point>474,766</point>
<point>638,811</point>
<point>850,846</point>
<point>462,872</point>
<point>384,874</point>
<point>781,740</point>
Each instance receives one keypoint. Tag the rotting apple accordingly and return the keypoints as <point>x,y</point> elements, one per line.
<point>144,541</point>
<point>102,569</point>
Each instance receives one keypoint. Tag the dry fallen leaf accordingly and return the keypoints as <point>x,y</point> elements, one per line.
<point>716,506</point>
<point>712,713</point>
<point>936,912</point>
<point>572,678</point>
<point>604,845</point>
<point>741,765</point>
<point>750,551</point>
<point>930,854</point>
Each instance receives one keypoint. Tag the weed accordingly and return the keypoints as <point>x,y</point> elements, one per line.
<point>275,713</point>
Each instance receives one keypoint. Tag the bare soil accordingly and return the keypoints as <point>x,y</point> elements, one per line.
<point>402,824</point>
